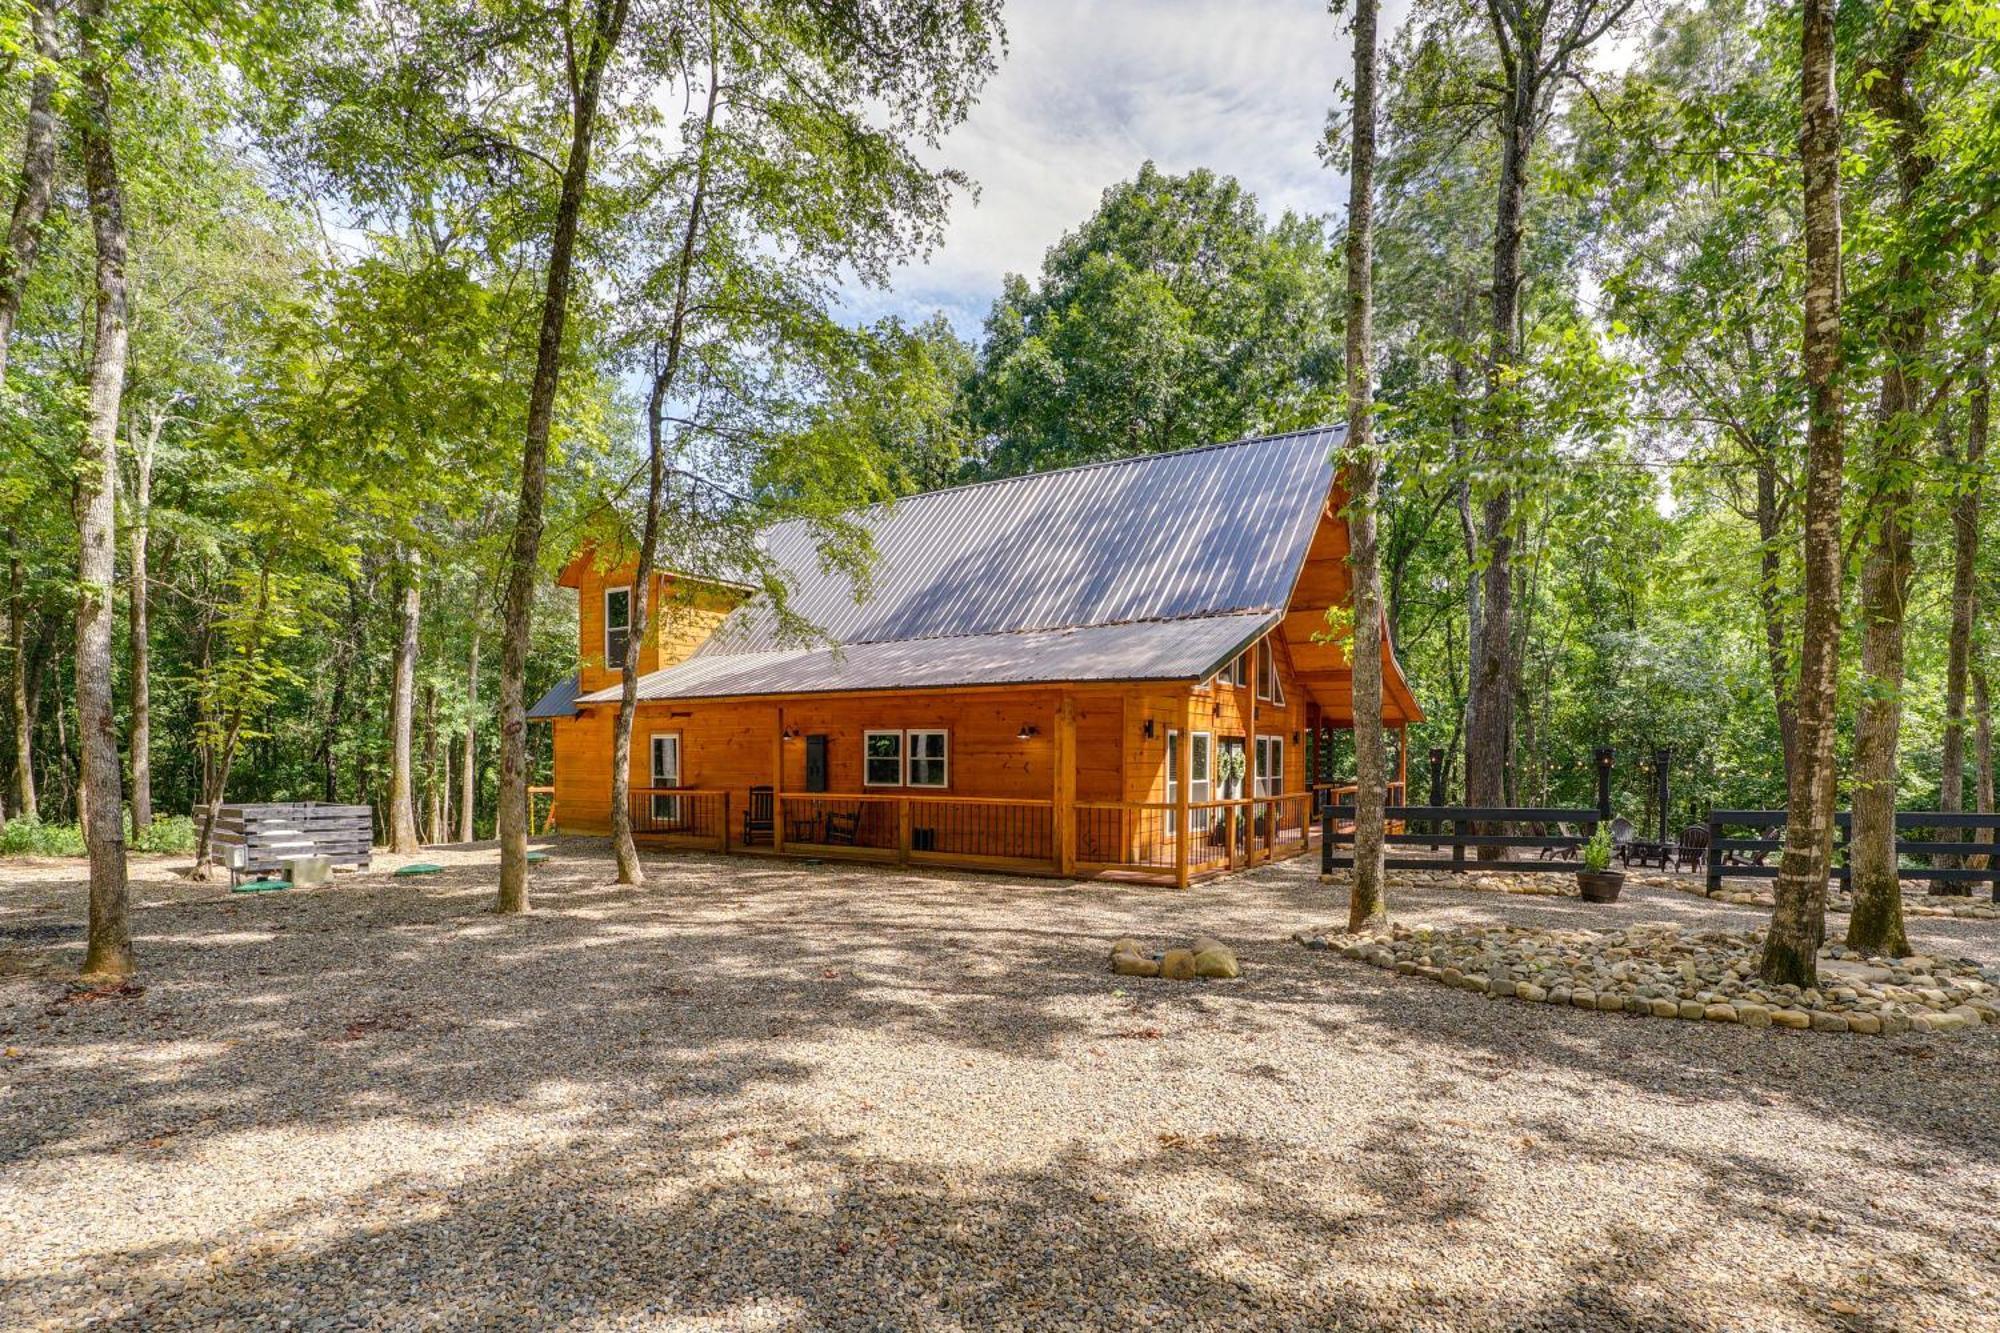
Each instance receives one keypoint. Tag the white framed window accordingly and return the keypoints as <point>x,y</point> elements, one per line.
<point>1268,685</point>
<point>1201,764</point>
<point>1270,766</point>
<point>1238,670</point>
<point>930,758</point>
<point>882,759</point>
<point>666,760</point>
<point>617,625</point>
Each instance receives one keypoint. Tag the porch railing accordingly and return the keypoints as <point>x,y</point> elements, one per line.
<point>1088,837</point>
<point>680,816</point>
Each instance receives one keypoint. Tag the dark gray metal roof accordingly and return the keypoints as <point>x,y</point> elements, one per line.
<point>1148,650</point>
<point>1187,554</point>
<point>560,701</point>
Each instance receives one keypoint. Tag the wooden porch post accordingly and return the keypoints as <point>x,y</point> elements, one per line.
<point>1183,826</point>
<point>1063,760</point>
<point>778,783</point>
<point>1250,763</point>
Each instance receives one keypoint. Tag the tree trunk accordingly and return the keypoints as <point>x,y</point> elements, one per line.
<point>21,697</point>
<point>1964,580</point>
<point>402,811</point>
<point>1367,909</point>
<point>629,869</point>
<point>469,766</point>
<point>1770,605</point>
<point>433,788</point>
<point>1798,919</point>
<point>524,553</point>
<point>1489,700</point>
<point>1876,923</point>
<point>37,183</point>
<point>109,951</point>
<point>143,448</point>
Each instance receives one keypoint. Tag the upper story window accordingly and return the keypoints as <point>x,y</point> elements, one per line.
<point>617,626</point>
<point>1238,671</point>
<point>1268,684</point>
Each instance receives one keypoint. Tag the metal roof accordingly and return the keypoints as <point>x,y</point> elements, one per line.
<point>560,701</point>
<point>1187,555</point>
<point>1148,650</point>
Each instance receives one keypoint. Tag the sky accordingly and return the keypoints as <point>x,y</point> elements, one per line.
<point>1090,90</point>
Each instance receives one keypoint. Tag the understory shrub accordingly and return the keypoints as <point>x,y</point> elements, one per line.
<point>171,834</point>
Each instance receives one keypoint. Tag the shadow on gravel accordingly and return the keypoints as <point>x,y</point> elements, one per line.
<point>677,1005</point>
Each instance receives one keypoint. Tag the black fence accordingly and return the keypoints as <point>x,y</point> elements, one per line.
<point>1459,827</point>
<point>1757,858</point>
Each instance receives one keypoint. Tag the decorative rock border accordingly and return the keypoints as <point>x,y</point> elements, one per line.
<point>1662,971</point>
<point>1939,905</point>
<point>1206,957</point>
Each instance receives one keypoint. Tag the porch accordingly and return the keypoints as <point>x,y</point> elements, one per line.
<point>1146,841</point>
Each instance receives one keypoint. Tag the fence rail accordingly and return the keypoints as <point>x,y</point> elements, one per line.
<point>1748,856</point>
<point>1459,827</point>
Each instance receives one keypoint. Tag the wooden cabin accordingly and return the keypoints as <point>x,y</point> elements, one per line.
<point>1035,664</point>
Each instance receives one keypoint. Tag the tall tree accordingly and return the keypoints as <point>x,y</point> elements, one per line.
<point>1967,485</point>
<point>38,172</point>
<point>589,55</point>
<point>402,830</point>
<point>1174,316</point>
<point>145,448</point>
<point>1540,44</point>
<point>1798,918</point>
<point>1366,907</point>
<point>109,948</point>
<point>1876,924</point>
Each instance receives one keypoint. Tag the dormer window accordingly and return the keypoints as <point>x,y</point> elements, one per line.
<point>617,626</point>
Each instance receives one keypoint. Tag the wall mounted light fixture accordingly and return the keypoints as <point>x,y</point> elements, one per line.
<point>1027,732</point>
<point>1149,728</point>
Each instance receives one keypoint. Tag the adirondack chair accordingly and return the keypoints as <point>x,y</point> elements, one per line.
<point>1558,851</point>
<point>1621,840</point>
<point>760,820</point>
<point>1692,847</point>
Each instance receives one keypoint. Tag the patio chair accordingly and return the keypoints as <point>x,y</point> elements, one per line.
<point>842,828</point>
<point>1693,846</point>
<point>1621,840</point>
<point>1558,851</point>
<point>760,819</point>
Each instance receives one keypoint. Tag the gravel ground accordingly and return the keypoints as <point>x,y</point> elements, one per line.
<point>767,1095</point>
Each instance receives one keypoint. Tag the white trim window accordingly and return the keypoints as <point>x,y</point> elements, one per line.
<point>665,748</point>
<point>1238,670</point>
<point>1201,761</point>
<point>617,625</point>
<point>1269,687</point>
<point>930,758</point>
<point>1270,766</point>
<point>881,758</point>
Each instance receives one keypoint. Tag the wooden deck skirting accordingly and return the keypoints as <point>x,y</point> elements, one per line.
<point>1147,841</point>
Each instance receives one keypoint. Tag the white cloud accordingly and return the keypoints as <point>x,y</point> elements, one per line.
<point>1090,90</point>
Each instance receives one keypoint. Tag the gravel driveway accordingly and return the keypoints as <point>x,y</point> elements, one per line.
<point>769,1095</point>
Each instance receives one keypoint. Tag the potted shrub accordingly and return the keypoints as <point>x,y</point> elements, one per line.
<point>1597,881</point>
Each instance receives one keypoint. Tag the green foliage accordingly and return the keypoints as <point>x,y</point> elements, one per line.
<point>172,836</point>
<point>1597,852</point>
<point>1174,316</point>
